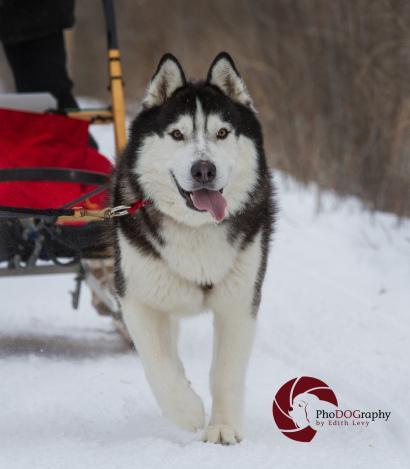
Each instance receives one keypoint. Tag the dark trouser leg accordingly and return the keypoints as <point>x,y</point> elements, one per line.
<point>40,65</point>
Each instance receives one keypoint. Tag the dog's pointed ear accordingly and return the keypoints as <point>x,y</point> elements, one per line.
<point>225,76</point>
<point>168,77</point>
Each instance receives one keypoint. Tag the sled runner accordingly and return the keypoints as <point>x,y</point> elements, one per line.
<point>53,189</point>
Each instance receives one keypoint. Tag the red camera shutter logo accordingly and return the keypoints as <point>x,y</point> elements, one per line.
<point>283,406</point>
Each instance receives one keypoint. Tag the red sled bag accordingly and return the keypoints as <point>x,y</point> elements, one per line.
<point>30,140</point>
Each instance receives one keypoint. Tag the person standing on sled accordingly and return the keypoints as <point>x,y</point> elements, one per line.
<point>33,41</point>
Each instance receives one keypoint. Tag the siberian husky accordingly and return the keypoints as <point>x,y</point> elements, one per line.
<point>196,153</point>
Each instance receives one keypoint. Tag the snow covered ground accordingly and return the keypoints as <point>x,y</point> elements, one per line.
<point>336,305</point>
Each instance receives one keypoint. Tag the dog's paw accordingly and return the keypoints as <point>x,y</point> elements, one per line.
<point>222,434</point>
<point>185,409</point>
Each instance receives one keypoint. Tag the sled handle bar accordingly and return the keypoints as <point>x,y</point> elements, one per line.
<point>89,178</point>
<point>111,26</point>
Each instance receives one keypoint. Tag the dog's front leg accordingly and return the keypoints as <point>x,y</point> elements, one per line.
<point>155,336</point>
<point>233,338</point>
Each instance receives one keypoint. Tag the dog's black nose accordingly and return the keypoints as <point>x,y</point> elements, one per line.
<point>203,171</point>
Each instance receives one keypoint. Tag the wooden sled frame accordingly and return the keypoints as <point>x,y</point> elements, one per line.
<point>116,112</point>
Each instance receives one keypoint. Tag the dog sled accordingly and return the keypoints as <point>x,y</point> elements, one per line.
<point>54,190</point>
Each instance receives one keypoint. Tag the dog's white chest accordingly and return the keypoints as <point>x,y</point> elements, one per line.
<point>202,255</point>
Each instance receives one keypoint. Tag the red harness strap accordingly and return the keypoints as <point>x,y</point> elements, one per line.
<point>137,205</point>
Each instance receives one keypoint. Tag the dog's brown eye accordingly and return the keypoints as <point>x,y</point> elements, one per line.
<point>177,135</point>
<point>222,133</point>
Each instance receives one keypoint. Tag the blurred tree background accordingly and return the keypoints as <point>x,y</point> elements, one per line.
<point>330,78</point>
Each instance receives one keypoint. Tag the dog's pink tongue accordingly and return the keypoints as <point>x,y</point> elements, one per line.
<point>212,201</point>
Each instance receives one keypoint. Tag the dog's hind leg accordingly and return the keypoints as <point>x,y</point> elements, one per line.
<point>233,338</point>
<point>155,336</point>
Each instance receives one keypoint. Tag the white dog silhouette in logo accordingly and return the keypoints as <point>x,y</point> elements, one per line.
<point>303,409</point>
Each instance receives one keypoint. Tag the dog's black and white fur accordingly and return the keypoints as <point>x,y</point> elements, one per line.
<point>189,251</point>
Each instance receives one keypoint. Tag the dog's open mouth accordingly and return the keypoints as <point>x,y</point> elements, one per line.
<point>204,200</point>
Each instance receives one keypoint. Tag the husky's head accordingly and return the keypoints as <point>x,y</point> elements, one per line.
<point>196,148</point>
